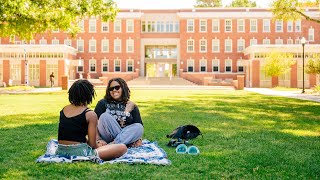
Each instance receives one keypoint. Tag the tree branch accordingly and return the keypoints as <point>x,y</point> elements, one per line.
<point>305,16</point>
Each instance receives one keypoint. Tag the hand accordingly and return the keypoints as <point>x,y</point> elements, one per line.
<point>129,106</point>
<point>101,143</point>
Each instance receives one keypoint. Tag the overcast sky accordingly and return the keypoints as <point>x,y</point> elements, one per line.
<point>172,4</point>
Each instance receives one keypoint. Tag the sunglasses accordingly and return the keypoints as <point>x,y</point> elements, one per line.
<point>114,88</point>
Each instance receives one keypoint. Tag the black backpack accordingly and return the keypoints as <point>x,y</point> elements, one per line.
<point>185,132</point>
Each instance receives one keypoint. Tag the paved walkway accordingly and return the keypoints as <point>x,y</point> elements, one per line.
<point>290,94</point>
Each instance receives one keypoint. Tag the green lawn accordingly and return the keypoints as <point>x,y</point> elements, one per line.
<point>245,136</point>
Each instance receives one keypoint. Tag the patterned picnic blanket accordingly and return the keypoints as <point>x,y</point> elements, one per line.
<point>148,153</point>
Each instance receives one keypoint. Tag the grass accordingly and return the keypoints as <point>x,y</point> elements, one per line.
<point>245,136</point>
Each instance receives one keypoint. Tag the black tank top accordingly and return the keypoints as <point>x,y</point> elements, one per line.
<point>73,128</point>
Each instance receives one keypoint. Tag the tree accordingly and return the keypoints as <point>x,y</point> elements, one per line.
<point>313,65</point>
<point>24,18</point>
<point>208,3</point>
<point>278,63</point>
<point>293,9</point>
<point>243,3</point>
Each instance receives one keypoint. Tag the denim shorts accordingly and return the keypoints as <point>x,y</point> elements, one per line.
<point>82,149</point>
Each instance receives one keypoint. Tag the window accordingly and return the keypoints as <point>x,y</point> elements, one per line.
<point>80,65</point>
<point>169,26</point>
<point>203,45</point>
<point>105,65</point>
<point>143,26</point>
<point>253,42</point>
<point>203,25</point>
<point>152,26</point>
<point>290,41</point>
<point>228,65</point>
<point>279,26</point>
<point>105,27</point>
<point>55,41</point>
<point>266,41</point>
<point>92,45</point>
<point>15,71</point>
<point>228,45</point>
<point>81,25</point>
<point>311,34</point>
<point>32,41</point>
<point>130,25</point>
<point>297,41</point>
<point>34,72</point>
<point>117,64</point>
<point>240,66</point>
<point>279,41</point>
<point>266,25</point>
<point>298,26</point>
<point>80,45</point>
<point>160,26</point>
<point>240,25</point>
<point>92,65</point>
<point>130,65</point>
<point>92,25</point>
<point>240,45</point>
<point>43,41</point>
<point>117,45</point>
<point>190,45</point>
<point>215,25</point>
<point>203,65</point>
<point>117,25</point>
<point>253,25</point>
<point>190,65</point>
<point>177,26</point>
<point>55,30</point>
<point>215,45</point>
<point>105,45</point>
<point>228,25</point>
<point>130,45</point>
<point>215,65</point>
<point>289,26</point>
<point>190,25</point>
<point>68,42</point>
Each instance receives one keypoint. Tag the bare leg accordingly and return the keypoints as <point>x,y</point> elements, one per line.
<point>111,151</point>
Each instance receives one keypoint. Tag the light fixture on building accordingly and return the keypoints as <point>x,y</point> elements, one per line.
<point>303,42</point>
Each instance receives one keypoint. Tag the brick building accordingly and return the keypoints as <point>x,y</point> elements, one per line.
<point>200,45</point>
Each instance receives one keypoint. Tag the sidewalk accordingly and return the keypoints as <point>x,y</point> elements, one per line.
<point>290,94</point>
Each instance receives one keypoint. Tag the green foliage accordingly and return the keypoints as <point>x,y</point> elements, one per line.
<point>313,65</point>
<point>25,18</point>
<point>245,136</point>
<point>316,89</point>
<point>208,3</point>
<point>243,3</point>
<point>293,9</point>
<point>278,63</point>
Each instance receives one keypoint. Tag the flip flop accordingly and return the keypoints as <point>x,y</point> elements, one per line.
<point>181,149</point>
<point>193,150</point>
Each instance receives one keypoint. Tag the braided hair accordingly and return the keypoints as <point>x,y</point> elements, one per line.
<point>125,96</point>
<point>81,93</point>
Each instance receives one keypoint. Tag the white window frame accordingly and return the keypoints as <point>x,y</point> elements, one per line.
<point>215,25</point>
<point>190,62</point>
<point>130,25</point>
<point>80,64</point>
<point>311,34</point>
<point>203,27</point>
<point>289,41</point>
<point>93,63</point>
<point>105,26</point>
<point>202,45</point>
<point>68,42</point>
<point>190,25</point>
<point>117,26</point>
<point>80,43</point>
<point>43,41</point>
<point>253,42</point>
<point>130,46</point>
<point>81,25</point>
<point>103,62</point>
<point>240,45</point>
<point>215,45</point>
<point>241,25</point>
<point>297,26</point>
<point>117,46</point>
<point>215,64</point>
<point>105,45</point>
<point>239,64</point>
<point>203,63</point>
<point>253,25</point>
<point>227,45</point>
<point>127,65</point>
<point>228,62</point>
<point>279,25</point>
<point>190,43</point>
<point>227,27</point>
<point>117,63</point>
<point>55,42</point>
<point>278,41</point>
<point>266,41</point>
<point>92,25</point>
<point>266,25</point>
<point>92,45</point>
<point>289,26</point>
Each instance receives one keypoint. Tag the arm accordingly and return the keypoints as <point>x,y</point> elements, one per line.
<point>100,108</point>
<point>136,115</point>
<point>92,120</point>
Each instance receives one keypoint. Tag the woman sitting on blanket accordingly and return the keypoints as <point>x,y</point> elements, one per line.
<point>77,121</point>
<point>119,118</point>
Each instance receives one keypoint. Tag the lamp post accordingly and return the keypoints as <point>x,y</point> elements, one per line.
<point>26,67</point>
<point>303,42</point>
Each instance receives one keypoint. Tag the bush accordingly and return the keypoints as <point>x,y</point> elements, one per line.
<point>316,89</point>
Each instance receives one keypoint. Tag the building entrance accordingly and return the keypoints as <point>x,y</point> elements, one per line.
<point>161,70</point>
